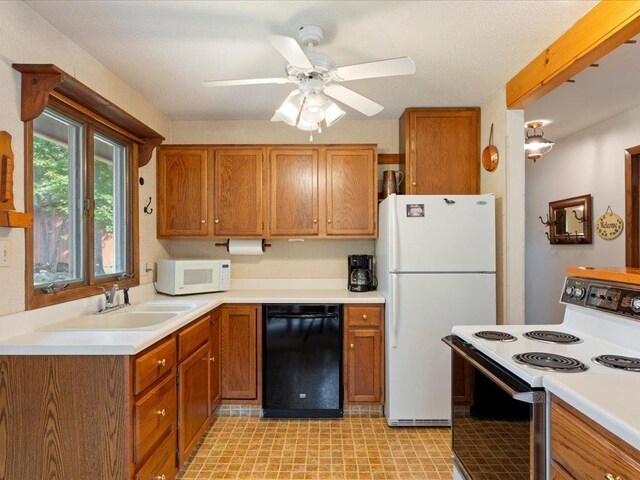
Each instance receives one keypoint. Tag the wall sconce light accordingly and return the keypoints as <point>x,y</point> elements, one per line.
<point>535,145</point>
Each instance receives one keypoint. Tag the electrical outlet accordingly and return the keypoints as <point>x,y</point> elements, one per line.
<point>5,252</point>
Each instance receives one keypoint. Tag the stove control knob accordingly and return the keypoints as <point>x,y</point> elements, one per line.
<point>568,291</point>
<point>635,304</point>
<point>578,292</point>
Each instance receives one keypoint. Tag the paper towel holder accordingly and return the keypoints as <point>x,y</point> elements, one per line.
<point>226,245</point>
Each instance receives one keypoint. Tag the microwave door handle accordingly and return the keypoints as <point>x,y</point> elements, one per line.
<point>528,397</point>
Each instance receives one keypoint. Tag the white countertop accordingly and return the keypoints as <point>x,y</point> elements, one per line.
<point>41,338</point>
<point>609,400</point>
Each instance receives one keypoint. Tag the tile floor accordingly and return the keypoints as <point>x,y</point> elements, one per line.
<point>251,448</point>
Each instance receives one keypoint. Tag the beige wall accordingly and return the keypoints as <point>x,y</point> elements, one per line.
<point>590,161</point>
<point>506,182</point>
<point>309,259</point>
<point>26,38</point>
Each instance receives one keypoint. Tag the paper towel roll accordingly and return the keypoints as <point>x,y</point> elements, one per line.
<point>245,247</point>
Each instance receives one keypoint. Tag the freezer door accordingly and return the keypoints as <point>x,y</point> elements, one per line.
<point>436,233</point>
<point>418,368</point>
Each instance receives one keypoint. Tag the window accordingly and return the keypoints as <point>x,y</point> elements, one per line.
<point>83,194</point>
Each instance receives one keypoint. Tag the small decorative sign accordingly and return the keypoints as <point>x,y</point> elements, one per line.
<point>609,225</point>
<point>415,210</point>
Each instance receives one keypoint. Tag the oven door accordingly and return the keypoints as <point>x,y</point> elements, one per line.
<point>498,429</point>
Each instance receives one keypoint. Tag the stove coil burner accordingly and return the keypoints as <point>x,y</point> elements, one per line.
<point>550,362</point>
<point>495,336</point>
<point>629,364</point>
<point>550,336</point>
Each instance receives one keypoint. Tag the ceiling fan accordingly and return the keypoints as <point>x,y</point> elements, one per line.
<point>318,78</point>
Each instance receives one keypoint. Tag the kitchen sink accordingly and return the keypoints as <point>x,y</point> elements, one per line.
<point>160,307</point>
<point>116,321</point>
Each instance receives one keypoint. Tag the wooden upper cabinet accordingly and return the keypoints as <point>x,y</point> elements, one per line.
<point>293,192</point>
<point>182,192</point>
<point>441,148</point>
<point>351,195</point>
<point>238,193</point>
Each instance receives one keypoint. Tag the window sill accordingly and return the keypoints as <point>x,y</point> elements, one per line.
<point>38,299</point>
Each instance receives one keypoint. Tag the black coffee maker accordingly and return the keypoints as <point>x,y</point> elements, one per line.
<point>361,276</point>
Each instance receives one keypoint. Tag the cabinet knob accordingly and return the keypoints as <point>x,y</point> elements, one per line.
<point>329,220</point>
<point>161,413</point>
<point>609,476</point>
<point>315,220</point>
<point>351,346</point>
<point>160,477</point>
<point>212,359</point>
<point>162,363</point>
<point>365,316</point>
<point>203,221</point>
<point>217,221</point>
<point>414,183</point>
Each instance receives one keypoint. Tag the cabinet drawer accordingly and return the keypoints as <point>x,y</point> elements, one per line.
<point>588,451</point>
<point>162,464</point>
<point>364,316</point>
<point>152,365</point>
<point>192,337</point>
<point>153,416</point>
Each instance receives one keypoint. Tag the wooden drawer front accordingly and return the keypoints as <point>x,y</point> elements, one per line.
<point>192,337</point>
<point>154,415</point>
<point>162,464</point>
<point>364,316</point>
<point>559,473</point>
<point>587,451</point>
<point>152,365</point>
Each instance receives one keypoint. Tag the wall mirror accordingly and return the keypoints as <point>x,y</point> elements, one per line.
<point>570,220</point>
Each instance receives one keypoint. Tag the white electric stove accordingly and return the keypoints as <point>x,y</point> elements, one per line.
<point>502,426</point>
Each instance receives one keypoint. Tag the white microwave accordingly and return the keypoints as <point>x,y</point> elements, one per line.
<point>184,277</point>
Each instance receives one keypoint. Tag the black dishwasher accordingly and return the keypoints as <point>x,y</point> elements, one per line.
<point>302,376</point>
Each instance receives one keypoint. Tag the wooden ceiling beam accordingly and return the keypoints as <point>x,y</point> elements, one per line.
<point>605,27</point>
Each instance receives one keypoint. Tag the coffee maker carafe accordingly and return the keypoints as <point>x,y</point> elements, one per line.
<point>361,276</point>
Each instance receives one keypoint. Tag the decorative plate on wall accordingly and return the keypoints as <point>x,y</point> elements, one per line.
<point>609,225</point>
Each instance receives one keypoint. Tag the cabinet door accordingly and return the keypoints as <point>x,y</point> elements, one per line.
<point>293,192</point>
<point>238,194</point>
<point>239,352</point>
<point>559,473</point>
<point>364,365</point>
<point>215,391</point>
<point>351,192</point>
<point>443,152</point>
<point>182,193</point>
<point>193,400</point>
<point>462,375</point>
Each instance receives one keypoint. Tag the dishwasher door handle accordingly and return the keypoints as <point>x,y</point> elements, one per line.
<point>303,315</point>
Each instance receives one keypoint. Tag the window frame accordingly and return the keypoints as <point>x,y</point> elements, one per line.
<point>92,124</point>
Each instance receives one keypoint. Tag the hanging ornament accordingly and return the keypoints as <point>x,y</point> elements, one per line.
<point>609,225</point>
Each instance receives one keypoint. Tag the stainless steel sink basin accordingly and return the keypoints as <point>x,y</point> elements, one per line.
<point>116,321</point>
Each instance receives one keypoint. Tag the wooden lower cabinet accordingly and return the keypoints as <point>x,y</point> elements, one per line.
<point>193,399</point>
<point>240,351</point>
<point>462,384</point>
<point>364,354</point>
<point>583,450</point>
<point>215,371</point>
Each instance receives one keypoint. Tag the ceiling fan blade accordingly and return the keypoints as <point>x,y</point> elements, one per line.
<point>246,81</point>
<point>353,99</point>
<point>381,68</point>
<point>291,51</point>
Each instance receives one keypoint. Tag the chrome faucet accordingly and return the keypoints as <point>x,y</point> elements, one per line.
<point>110,297</point>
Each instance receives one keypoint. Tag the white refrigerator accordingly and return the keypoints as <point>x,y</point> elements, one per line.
<point>436,263</point>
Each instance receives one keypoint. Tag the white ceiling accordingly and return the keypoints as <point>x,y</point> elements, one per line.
<point>464,50</point>
<point>597,94</point>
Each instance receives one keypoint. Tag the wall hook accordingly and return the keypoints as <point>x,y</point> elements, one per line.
<point>548,222</point>
<point>580,219</point>
<point>548,237</point>
<point>147,208</point>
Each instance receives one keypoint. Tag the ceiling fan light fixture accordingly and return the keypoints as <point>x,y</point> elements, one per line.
<point>307,126</point>
<point>332,113</point>
<point>289,111</point>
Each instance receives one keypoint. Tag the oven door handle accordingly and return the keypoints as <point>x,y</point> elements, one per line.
<point>534,396</point>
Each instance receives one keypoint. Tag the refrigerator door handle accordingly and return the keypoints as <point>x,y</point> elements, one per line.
<point>394,311</point>
<point>393,207</point>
